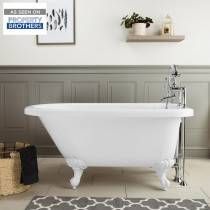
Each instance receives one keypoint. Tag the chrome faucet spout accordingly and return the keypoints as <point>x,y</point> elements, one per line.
<point>167,97</point>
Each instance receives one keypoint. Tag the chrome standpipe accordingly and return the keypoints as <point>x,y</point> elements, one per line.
<point>180,152</point>
<point>183,142</point>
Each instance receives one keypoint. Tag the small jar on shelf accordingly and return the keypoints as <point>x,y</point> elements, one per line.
<point>167,27</point>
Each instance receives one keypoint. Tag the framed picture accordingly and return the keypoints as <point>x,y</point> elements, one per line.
<point>60,23</point>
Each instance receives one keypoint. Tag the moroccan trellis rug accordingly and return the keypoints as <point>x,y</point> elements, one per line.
<point>87,203</point>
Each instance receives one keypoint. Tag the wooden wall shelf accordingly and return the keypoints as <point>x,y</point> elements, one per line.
<point>154,38</point>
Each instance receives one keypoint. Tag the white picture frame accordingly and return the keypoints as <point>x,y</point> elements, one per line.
<point>60,23</point>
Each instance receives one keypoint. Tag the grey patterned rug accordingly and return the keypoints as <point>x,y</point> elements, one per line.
<point>87,203</point>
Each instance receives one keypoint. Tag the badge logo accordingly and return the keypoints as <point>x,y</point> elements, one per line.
<point>24,18</point>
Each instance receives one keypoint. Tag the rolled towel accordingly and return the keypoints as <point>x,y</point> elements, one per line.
<point>29,165</point>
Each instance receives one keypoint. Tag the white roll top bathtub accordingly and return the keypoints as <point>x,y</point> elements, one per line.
<point>130,134</point>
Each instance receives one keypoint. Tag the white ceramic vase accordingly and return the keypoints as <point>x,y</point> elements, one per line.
<point>139,29</point>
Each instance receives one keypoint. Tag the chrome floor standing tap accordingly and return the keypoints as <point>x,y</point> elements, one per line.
<point>178,92</point>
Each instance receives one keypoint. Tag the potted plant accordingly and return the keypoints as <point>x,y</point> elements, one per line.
<point>137,23</point>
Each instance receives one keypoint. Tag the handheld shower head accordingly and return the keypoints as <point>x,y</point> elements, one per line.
<point>174,70</point>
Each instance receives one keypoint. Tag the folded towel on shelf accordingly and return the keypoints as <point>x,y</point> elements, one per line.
<point>29,165</point>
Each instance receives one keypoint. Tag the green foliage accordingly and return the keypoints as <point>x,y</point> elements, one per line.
<point>135,18</point>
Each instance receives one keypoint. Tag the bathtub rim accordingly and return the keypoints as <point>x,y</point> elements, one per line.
<point>149,112</point>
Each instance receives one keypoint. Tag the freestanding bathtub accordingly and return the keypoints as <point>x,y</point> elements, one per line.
<point>131,134</point>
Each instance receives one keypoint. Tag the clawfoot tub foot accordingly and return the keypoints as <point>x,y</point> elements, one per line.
<point>78,166</point>
<point>75,180</point>
<point>161,170</point>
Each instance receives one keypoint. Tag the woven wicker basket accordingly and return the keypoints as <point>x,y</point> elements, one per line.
<point>10,170</point>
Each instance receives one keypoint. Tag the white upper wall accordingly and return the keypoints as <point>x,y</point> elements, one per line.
<point>101,41</point>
